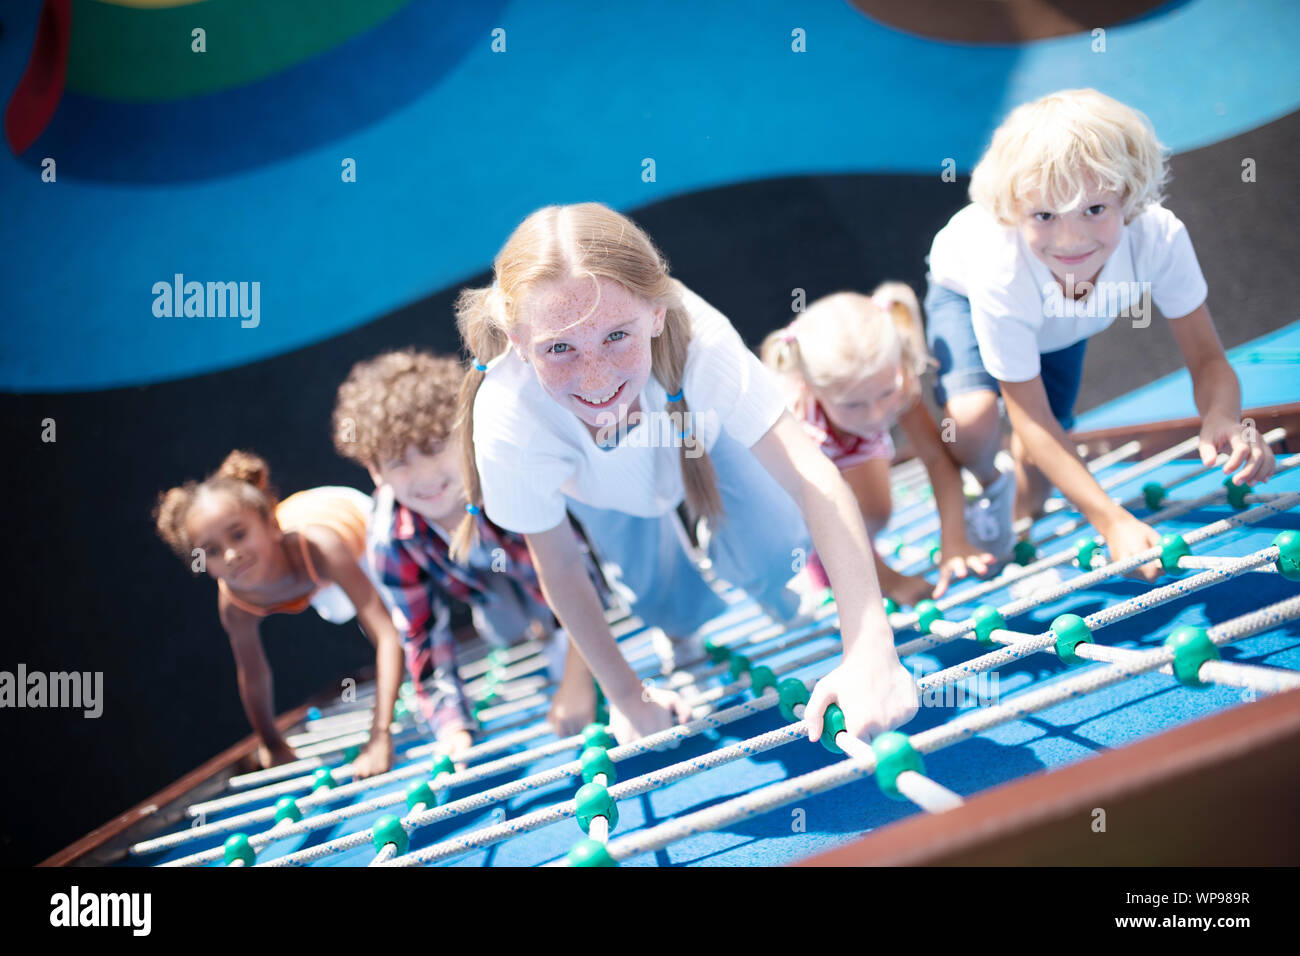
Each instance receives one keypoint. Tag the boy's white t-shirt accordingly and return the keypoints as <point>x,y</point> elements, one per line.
<point>531,452</point>
<point>1018,309</point>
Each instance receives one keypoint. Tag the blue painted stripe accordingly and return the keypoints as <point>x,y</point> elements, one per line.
<point>1268,368</point>
<point>568,113</point>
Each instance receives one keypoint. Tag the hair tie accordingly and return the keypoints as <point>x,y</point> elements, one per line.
<point>473,509</point>
<point>479,367</point>
<point>883,304</point>
<point>677,397</point>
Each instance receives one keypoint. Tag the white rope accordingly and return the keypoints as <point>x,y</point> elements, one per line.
<point>661,740</point>
<point>1023,645</point>
<point>1284,500</point>
<point>959,728</point>
<point>943,631</point>
<point>668,737</point>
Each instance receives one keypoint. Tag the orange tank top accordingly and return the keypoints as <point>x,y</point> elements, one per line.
<point>340,510</point>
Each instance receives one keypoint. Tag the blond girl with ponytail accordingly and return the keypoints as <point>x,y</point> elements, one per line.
<point>853,366</point>
<point>601,385</point>
<point>280,557</point>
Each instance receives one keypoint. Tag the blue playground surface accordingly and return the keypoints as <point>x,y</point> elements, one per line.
<point>183,186</point>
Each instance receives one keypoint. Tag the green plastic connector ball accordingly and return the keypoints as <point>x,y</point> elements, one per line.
<point>1288,558</point>
<point>760,679</point>
<point>1154,494</point>
<point>891,606</point>
<point>286,808</point>
<point>419,791</point>
<point>987,620</point>
<point>791,692</point>
<point>935,553</point>
<point>1173,547</point>
<point>322,778</point>
<point>407,689</point>
<point>388,829</point>
<point>498,657</point>
<point>832,726</point>
<point>927,612</point>
<point>351,753</point>
<point>237,847</point>
<point>595,761</point>
<point>400,710</point>
<point>1024,552</point>
<point>592,801</point>
<point>488,700</point>
<point>1070,632</point>
<point>590,852</point>
<point>898,550</point>
<point>740,664</point>
<point>828,597</point>
<point>894,754</point>
<point>1192,648</point>
<point>1236,494</point>
<point>717,653</point>
<point>1084,552</point>
<point>597,735</point>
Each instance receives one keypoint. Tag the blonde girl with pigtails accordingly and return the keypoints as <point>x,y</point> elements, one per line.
<point>853,367</point>
<point>602,385</point>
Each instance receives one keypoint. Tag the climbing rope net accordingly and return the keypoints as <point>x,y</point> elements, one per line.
<point>513,690</point>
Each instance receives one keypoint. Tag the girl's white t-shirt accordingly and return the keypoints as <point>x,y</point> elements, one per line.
<point>531,452</point>
<point>1018,309</point>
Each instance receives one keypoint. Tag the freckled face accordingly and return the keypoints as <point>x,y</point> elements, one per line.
<point>1076,244</point>
<point>239,546</point>
<point>869,405</point>
<point>590,345</point>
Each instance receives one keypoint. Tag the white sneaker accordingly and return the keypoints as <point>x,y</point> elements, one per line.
<point>1034,584</point>
<point>674,655</point>
<point>988,518</point>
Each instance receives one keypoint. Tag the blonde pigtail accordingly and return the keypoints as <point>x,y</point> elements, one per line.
<point>904,309</point>
<point>668,362</point>
<point>483,333</point>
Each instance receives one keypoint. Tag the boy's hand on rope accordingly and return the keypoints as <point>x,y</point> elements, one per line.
<point>274,755</point>
<point>377,758</point>
<point>455,743</point>
<point>1248,455</point>
<point>1126,536</point>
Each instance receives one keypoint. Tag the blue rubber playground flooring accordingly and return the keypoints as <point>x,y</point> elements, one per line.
<point>455,143</point>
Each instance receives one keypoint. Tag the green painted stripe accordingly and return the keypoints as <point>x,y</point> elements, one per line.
<point>135,55</point>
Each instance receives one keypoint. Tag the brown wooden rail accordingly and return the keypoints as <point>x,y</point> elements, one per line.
<point>1220,791</point>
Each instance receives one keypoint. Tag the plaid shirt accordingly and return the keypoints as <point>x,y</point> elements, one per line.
<point>416,577</point>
